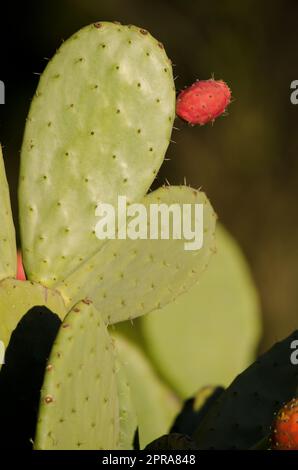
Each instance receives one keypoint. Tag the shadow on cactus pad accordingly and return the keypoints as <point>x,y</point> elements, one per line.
<point>174,441</point>
<point>195,409</point>
<point>242,416</point>
<point>21,376</point>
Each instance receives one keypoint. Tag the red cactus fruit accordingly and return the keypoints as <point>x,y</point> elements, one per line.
<point>285,431</point>
<point>203,101</point>
<point>20,269</point>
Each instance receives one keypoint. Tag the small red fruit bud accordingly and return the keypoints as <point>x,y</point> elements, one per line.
<point>203,101</point>
<point>20,270</point>
<point>285,429</point>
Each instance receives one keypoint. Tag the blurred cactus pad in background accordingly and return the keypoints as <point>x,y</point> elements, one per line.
<point>112,344</point>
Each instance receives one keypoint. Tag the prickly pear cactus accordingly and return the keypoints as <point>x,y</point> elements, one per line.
<point>128,278</point>
<point>79,401</point>
<point>99,126</point>
<point>8,254</point>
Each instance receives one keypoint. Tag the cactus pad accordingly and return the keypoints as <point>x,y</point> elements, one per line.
<point>79,403</point>
<point>219,315</point>
<point>99,126</point>
<point>129,278</point>
<point>127,414</point>
<point>8,254</point>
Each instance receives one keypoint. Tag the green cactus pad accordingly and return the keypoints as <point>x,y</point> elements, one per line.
<point>242,416</point>
<point>79,402</point>
<point>127,414</point>
<point>99,126</point>
<point>8,254</point>
<point>17,297</point>
<point>216,325</point>
<point>156,406</point>
<point>129,278</point>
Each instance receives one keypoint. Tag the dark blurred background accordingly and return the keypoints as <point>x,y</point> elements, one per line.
<point>247,162</point>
